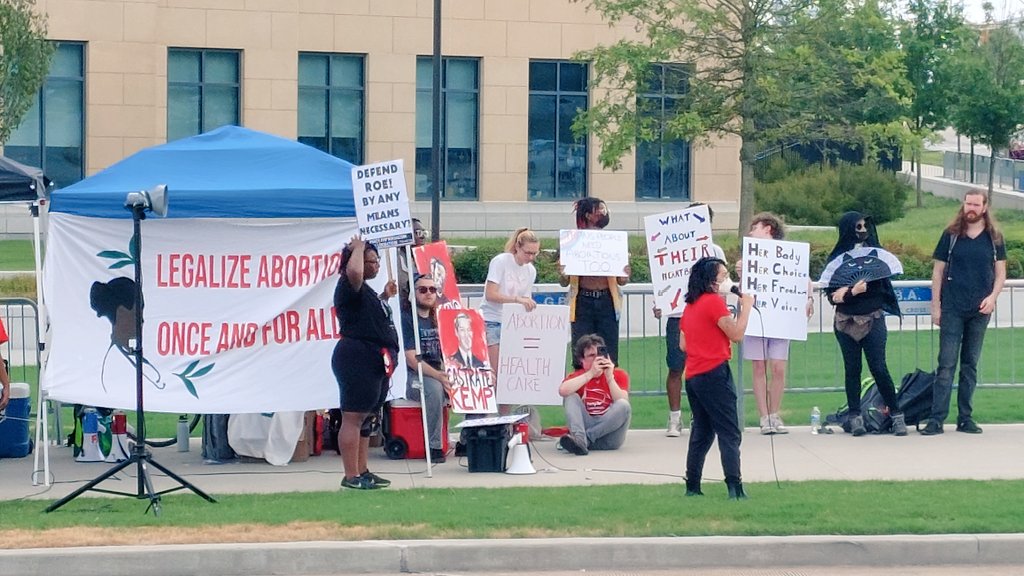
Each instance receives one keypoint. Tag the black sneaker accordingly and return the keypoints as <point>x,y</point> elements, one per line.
<point>968,426</point>
<point>569,444</point>
<point>377,481</point>
<point>437,456</point>
<point>358,483</point>
<point>932,428</point>
<point>460,450</point>
<point>857,426</point>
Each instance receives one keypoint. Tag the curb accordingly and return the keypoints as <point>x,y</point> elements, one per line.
<point>479,556</point>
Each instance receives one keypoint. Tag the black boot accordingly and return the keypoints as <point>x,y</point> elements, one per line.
<point>735,490</point>
<point>693,486</point>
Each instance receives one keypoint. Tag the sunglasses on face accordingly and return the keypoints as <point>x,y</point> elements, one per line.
<point>862,227</point>
<point>420,233</point>
<point>427,289</point>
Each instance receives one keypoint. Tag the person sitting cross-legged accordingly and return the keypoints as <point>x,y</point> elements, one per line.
<point>596,399</point>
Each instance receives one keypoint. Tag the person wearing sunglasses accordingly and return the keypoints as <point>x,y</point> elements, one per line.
<point>435,385</point>
<point>860,325</point>
<point>363,359</point>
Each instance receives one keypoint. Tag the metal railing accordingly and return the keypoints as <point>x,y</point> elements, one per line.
<point>1009,173</point>
<point>815,365</point>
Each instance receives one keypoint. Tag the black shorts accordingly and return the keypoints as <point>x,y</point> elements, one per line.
<point>359,368</point>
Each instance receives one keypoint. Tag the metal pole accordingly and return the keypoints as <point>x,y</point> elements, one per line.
<point>435,135</point>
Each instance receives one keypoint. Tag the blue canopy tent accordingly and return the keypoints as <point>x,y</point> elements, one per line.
<point>230,172</point>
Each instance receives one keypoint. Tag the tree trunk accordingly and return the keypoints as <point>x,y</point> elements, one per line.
<point>991,171</point>
<point>746,185</point>
<point>920,197</point>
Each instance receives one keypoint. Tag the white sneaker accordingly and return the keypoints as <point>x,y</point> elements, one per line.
<point>766,426</point>
<point>776,423</point>
<point>675,429</point>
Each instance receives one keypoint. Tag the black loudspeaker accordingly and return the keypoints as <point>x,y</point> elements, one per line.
<point>487,446</point>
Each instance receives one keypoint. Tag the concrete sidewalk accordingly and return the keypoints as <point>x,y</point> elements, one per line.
<point>648,457</point>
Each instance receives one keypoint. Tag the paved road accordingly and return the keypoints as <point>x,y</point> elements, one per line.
<point>989,570</point>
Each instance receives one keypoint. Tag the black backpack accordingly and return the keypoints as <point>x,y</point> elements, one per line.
<point>872,410</point>
<point>915,396</point>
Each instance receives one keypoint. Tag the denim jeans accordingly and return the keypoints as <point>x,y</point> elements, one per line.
<point>960,335</point>
<point>873,348</point>
<point>434,403</point>
<point>597,316</point>
<point>604,432</point>
<point>712,398</point>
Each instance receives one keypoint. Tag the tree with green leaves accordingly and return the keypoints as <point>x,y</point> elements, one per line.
<point>987,86</point>
<point>767,71</point>
<point>930,32</point>
<point>24,60</point>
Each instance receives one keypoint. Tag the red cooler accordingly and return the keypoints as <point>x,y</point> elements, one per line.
<point>404,430</point>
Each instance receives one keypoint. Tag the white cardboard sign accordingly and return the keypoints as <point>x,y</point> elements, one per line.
<point>776,273</point>
<point>675,240</point>
<point>594,252</point>
<point>382,203</point>
<point>533,349</point>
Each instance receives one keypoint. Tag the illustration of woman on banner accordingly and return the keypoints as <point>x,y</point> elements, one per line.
<point>115,301</point>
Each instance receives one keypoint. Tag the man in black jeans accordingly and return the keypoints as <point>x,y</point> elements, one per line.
<point>967,276</point>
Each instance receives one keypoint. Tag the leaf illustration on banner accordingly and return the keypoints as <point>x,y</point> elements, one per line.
<point>122,259</point>
<point>191,374</point>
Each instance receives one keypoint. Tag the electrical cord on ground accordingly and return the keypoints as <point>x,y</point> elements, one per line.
<point>768,397</point>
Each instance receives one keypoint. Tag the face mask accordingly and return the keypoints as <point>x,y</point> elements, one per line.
<point>602,221</point>
<point>862,235</point>
<point>727,286</point>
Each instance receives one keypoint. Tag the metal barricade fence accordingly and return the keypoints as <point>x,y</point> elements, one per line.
<point>816,364</point>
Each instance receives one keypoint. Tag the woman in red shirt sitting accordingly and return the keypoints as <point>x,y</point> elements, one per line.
<point>707,328</point>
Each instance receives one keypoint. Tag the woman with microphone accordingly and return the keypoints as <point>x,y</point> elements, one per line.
<point>707,328</point>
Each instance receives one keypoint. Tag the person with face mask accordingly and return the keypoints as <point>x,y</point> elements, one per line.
<point>594,301</point>
<point>860,324</point>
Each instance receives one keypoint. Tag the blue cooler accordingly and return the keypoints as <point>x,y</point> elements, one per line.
<point>14,441</point>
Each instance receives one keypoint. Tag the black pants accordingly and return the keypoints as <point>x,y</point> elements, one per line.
<point>873,348</point>
<point>712,397</point>
<point>597,316</point>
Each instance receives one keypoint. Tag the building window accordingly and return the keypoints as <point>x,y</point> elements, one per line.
<point>556,160</point>
<point>460,117</point>
<point>203,91</point>
<point>331,96</point>
<point>50,134</point>
<point>663,164</point>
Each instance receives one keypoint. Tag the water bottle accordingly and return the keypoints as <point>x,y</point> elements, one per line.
<point>815,420</point>
<point>183,438</point>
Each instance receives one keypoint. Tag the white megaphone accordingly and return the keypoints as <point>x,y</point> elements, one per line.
<point>118,438</point>
<point>153,200</point>
<point>90,438</point>
<point>519,456</point>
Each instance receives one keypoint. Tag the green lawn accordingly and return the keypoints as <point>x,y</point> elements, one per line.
<point>818,507</point>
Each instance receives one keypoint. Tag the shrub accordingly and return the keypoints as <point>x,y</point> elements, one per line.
<point>816,195</point>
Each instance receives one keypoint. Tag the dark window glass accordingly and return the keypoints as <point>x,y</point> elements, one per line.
<point>331,96</point>
<point>556,160</point>
<point>663,164</point>
<point>203,91</point>
<point>460,133</point>
<point>50,135</point>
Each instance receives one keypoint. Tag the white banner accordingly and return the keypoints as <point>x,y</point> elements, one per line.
<point>533,348</point>
<point>675,240</point>
<point>593,252</point>
<point>382,203</point>
<point>776,273</point>
<point>238,314</point>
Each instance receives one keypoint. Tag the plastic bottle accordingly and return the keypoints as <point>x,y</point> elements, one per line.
<point>183,436</point>
<point>815,420</point>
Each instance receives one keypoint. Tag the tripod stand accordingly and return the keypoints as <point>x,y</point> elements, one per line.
<point>140,456</point>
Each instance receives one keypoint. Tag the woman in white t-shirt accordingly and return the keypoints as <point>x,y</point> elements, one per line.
<point>510,278</point>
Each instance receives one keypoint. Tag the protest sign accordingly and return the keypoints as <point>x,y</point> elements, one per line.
<point>465,361</point>
<point>532,362</point>
<point>433,260</point>
<point>382,204</point>
<point>675,240</point>
<point>776,273</point>
<point>593,252</point>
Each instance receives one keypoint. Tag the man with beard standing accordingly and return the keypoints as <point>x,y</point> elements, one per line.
<point>967,276</point>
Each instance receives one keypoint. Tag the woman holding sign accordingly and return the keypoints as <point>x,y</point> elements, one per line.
<point>594,301</point>
<point>707,329</point>
<point>363,359</point>
<point>510,278</point>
